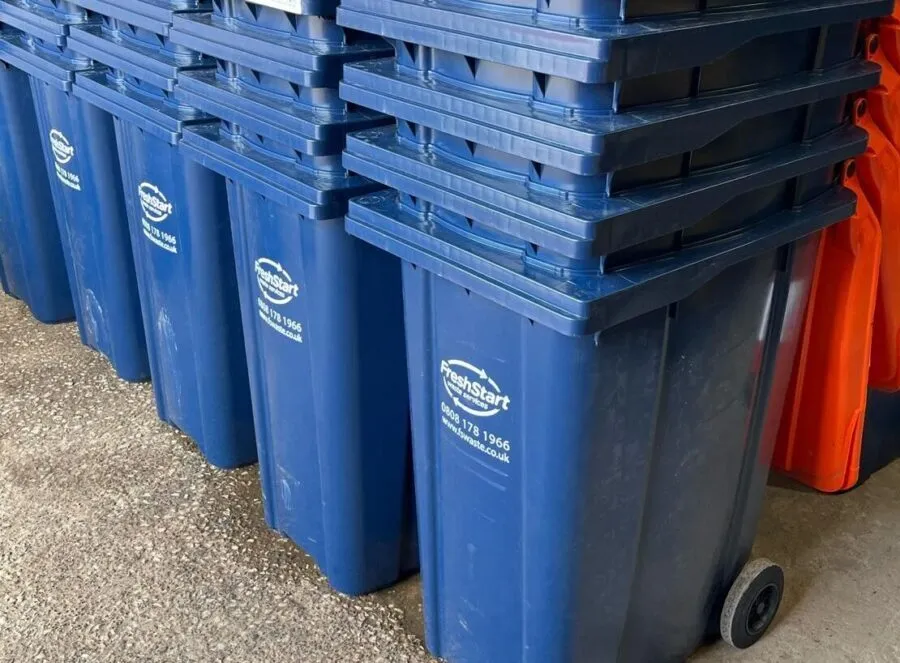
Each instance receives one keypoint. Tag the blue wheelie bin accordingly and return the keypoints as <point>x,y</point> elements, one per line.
<point>30,248</point>
<point>322,312</point>
<point>608,217</point>
<point>590,448</point>
<point>180,236</point>
<point>80,151</point>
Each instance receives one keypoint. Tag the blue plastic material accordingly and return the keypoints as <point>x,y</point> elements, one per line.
<point>134,51</point>
<point>80,152</point>
<point>181,238</point>
<point>30,247</point>
<point>150,16</point>
<point>47,21</point>
<point>601,143</point>
<point>311,121</point>
<point>581,224</point>
<point>598,51</point>
<point>292,115</point>
<point>4,284</point>
<point>591,450</point>
<point>312,194</point>
<point>323,322</point>
<point>307,50</point>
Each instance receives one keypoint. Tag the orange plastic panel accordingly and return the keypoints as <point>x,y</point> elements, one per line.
<point>879,178</point>
<point>889,32</point>
<point>884,100</point>
<point>819,442</point>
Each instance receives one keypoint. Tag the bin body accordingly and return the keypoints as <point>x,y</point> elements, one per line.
<point>322,312</point>
<point>323,319</point>
<point>90,207</point>
<point>83,169</point>
<point>180,236</point>
<point>589,477</point>
<point>30,246</point>
<point>185,267</point>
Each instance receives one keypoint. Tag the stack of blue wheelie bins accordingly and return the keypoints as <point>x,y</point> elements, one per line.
<point>607,213</point>
<point>322,312</point>
<point>145,232</point>
<point>171,118</point>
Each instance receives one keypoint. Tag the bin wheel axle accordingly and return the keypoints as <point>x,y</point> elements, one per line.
<point>752,603</point>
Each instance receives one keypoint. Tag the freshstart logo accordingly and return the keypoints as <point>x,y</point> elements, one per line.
<point>156,206</point>
<point>274,282</point>
<point>62,148</point>
<point>472,389</point>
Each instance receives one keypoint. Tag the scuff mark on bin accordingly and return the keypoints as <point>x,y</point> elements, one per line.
<point>93,318</point>
<point>168,361</point>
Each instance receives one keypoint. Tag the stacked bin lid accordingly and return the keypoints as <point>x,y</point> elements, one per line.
<point>842,412</point>
<point>322,312</point>
<point>609,214</point>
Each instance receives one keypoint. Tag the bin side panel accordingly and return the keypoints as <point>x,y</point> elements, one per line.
<point>30,246</point>
<point>279,368</point>
<point>323,315</point>
<point>227,437</point>
<point>80,153</point>
<point>181,240</point>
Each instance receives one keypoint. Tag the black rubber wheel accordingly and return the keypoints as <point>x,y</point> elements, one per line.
<point>752,603</point>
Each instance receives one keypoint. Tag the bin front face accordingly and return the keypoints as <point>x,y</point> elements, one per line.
<point>589,498</point>
<point>80,151</point>
<point>185,269</point>
<point>30,247</point>
<point>323,322</point>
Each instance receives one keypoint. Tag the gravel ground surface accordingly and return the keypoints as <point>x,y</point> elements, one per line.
<point>118,543</point>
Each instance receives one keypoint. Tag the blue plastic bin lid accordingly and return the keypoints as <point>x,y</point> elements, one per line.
<point>590,144</point>
<point>593,51</point>
<point>576,303</point>
<point>258,103</point>
<point>45,62</point>
<point>313,195</point>
<point>326,8</point>
<point>154,16</point>
<point>158,64</point>
<point>310,53</point>
<point>588,225</point>
<point>132,100</point>
<point>47,21</point>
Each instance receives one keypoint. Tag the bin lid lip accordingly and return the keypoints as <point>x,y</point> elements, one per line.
<point>508,203</point>
<point>277,177</point>
<point>247,96</point>
<point>158,8</point>
<point>155,109</point>
<point>577,303</point>
<point>23,7</point>
<point>54,65</point>
<point>593,143</point>
<point>578,35</point>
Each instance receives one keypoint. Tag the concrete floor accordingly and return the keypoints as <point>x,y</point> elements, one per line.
<point>118,543</point>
